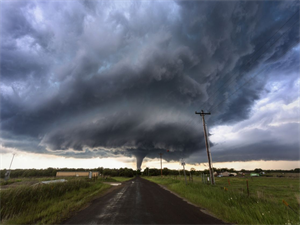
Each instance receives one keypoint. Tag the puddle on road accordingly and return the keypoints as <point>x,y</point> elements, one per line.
<point>112,184</point>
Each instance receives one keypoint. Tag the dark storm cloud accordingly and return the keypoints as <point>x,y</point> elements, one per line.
<point>266,143</point>
<point>258,151</point>
<point>124,78</point>
<point>17,30</point>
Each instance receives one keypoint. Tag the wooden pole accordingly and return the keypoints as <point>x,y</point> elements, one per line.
<point>202,114</point>
<point>160,164</point>
<point>183,164</point>
<point>248,188</point>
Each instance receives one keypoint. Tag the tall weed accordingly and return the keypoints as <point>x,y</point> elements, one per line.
<point>16,201</point>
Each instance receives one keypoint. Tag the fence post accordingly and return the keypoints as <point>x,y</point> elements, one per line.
<point>247,188</point>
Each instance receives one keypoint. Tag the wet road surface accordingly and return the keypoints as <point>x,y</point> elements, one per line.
<point>139,201</point>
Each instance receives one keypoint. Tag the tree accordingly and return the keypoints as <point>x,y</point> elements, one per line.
<point>297,170</point>
<point>193,171</point>
<point>258,170</point>
<point>138,172</point>
<point>165,171</point>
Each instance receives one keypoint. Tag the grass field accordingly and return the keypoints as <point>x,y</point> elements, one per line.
<point>48,203</point>
<point>228,199</point>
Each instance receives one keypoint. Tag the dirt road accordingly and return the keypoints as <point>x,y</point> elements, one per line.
<point>139,201</point>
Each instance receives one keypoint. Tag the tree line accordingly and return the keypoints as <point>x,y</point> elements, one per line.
<point>51,172</point>
<point>192,171</point>
<point>128,172</point>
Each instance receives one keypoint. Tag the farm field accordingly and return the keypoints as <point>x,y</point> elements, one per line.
<point>24,202</point>
<point>228,199</point>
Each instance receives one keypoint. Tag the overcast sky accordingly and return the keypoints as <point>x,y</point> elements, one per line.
<point>110,79</point>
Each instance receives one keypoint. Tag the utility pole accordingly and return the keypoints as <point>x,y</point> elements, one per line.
<point>7,174</point>
<point>202,114</point>
<point>160,164</point>
<point>183,164</point>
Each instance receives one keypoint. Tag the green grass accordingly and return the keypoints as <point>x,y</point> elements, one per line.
<point>24,179</point>
<point>263,206</point>
<point>10,181</point>
<point>47,204</point>
<point>122,179</point>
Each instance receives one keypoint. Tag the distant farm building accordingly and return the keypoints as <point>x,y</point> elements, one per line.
<point>227,174</point>
<point>77,174</point>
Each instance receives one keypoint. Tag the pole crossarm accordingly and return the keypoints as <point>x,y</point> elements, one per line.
<point>202,113</point>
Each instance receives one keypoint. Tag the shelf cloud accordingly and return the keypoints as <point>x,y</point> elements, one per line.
<point>109,78</point>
